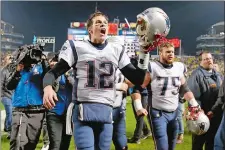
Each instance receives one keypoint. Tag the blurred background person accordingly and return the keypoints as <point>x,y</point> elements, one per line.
<point>205,82</point>
<point>56,117</point>
<point>141,130</point>
<point>6,96</point>
<point>27,100</point>
<point>219,141</point>
<point>180,130</point>
<point>119,113</point>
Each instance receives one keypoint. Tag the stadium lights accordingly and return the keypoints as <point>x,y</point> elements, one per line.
<point>83,25</point>
<point>78,24</point>
<point>125,25</point>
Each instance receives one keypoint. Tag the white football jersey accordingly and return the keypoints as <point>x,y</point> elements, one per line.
<point>119,94</point>
<point>94,70</point>
<point>165,84</point>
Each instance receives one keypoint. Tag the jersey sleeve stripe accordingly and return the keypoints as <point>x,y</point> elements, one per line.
<point>149,67</point>
<point>74,50</point>
<point>121,54</point>
<point>74,96</point>
<point>185,69</point>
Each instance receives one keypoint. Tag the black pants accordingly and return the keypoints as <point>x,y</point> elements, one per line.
<point>208,139</point>
<point>141,125</point>
<point>45,132</point>
<point>26,130</point>
<point>58,138</point>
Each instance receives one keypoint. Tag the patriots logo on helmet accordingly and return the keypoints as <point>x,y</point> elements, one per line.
<point>167,25</point>
<point>167,20</point>
<point>202,126</point>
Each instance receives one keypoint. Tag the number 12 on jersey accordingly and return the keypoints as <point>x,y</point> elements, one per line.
<point>104,77</point>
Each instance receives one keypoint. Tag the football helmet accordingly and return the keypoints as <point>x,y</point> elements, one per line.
<point>153,25</point>
<point>197,122</point>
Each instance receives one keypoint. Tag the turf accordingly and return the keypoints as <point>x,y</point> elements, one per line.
<point>146,144</point>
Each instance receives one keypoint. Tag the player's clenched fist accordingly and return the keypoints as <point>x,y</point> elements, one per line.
<point>141,112</point>
<point>49,97</point>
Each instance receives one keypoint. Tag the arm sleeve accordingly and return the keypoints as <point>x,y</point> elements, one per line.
<point>59,69</point>
<point>45,67</point>
<point>67,58</point>
<point>134,75</point>
<point>68,53</point>
<point>220,100</point>
<point>124,60</point>
<point>138,89</point>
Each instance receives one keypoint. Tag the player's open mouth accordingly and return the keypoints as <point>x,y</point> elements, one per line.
<point>103,31</point>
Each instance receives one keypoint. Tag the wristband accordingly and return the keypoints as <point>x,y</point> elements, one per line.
<point>193,102</point>
<point>137,105</point>
<point>143,60</point>
<point>118,86</point>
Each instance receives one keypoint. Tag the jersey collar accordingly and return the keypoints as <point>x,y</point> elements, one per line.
<point>167,66</point>
<point>99,46</point>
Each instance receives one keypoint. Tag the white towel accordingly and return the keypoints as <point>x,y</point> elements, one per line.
<point>69,114</point>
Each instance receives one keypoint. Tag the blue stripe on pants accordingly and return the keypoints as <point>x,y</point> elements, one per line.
<point>164,129</point>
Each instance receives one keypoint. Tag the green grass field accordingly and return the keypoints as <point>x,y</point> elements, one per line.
<point>146,144</point>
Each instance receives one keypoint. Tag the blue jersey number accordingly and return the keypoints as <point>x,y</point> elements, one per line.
<point>103,76</point>
<point>165,84</point>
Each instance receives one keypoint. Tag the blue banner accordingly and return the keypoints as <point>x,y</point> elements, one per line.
<point>34,39</point>
<point>127,32</point>
<point>82,31</point>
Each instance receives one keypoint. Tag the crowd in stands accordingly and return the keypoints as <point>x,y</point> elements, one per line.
<point>190,62</point>
<point>193,62</point>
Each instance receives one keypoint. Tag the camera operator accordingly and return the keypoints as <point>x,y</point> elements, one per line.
<point>28,111</point>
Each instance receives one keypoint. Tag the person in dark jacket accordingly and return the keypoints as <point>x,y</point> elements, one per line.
<point>205,82</point>
<point>6,96</point>
<point>56,117</point>
<point>141,130</point>
<point>219,141</point>
<point>28,111</point>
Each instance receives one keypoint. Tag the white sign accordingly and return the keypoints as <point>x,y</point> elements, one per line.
<point>45,39</point>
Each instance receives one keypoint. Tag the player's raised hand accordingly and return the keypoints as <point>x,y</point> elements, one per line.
<point>49,97</point>
<point>141,112</point>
